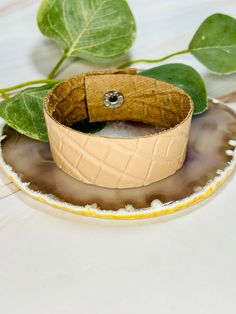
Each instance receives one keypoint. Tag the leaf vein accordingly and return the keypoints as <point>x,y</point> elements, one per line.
<point>86,27</point>
<point>66,21</point>
<point>101,43</point>
<point>53,28</point>
<point>29,111</point>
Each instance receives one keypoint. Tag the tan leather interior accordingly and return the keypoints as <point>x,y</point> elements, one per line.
<point>146,100</point>
<point>118,162</point>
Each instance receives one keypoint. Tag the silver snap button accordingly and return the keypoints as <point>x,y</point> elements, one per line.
<point>113,99</point>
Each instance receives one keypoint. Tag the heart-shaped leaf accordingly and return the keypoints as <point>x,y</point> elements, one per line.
<point>95,30</point>
<point>24,112</point>
<point>184,77</point>
<point>214,43</point>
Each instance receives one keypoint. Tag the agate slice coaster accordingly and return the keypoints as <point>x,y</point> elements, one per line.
<point>211,158</point>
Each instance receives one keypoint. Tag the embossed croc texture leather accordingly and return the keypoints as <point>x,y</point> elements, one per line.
<point>118,162</point>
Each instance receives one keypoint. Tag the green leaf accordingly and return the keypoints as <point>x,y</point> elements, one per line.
<point>24,112</point>
<point>95,30</point>
<point>184,77</point>
<point>214,43</point>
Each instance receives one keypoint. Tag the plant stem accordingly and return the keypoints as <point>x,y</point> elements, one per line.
<point>127,64</point>
<point>57,66</point>
<point>3,91</point>
<point>4,95</point>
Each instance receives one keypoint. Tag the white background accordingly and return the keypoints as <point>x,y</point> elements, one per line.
<point>56,262</point>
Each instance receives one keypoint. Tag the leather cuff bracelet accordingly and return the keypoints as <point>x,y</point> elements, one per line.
<point>118,95</point>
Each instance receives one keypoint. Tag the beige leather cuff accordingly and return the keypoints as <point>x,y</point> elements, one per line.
<point>118,162</point>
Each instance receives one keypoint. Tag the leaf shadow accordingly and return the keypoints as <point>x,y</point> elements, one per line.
<point>46,54</point>
<point>76,66</point>
<point>219,85</point>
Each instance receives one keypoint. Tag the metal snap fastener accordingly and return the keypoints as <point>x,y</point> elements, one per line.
<point>113,99</point>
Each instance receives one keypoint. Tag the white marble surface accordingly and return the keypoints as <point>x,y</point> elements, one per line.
<point>55,262</point>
